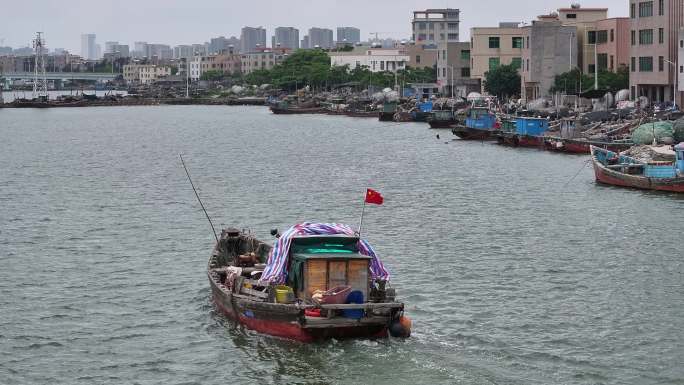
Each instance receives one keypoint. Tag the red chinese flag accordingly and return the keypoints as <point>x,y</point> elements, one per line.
<point>374,197</point>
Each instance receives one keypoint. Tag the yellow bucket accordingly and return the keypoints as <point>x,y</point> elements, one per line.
<point>284,294</point>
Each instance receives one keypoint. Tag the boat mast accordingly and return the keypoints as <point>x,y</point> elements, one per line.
<point>39,77</point>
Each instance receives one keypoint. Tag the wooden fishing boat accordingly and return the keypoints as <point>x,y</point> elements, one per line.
<point>528,133</point>
<point>388,111</point>
<point>582,146</point>
<point>287,110</point>
<point>480,124</point>
<point>442,119</point>
<point>243,275</point>
<point>619,170</point>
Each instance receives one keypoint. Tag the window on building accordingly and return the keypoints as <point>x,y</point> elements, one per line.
<point>645,36</point>
<point>382,65</point>
<point>661,7</point>
<point>453,26</point>
<point>612,35</point>
<point>591,37</point>
<point>465,72</point>
<point>633,37</point>
<point>681,69</point>
<point>646,9</point>
<point>516,62</point>
<point>443,54</point>
<point>517,42</point>
<point>632,8</point>
<point>591,68</point>
<point>441,36</point>
<point>646,64</point>
<point>661,35</point>
<point>465,54</point>
<point>602,61</point>
<point>601,37</point>
<point>528,42</point>
<point>493,42</point>
<point>661,63</point>
<point>612,62</point>
<point>681,44</point>
<point>494,62</point>
<point>432,36</point>
<point>453,36</point>
<point>571,16</point>
<point>528,65</point>
<point>421,36</point>
<point>633,66</point>
<point>421,25</point>
<point>441,25</point>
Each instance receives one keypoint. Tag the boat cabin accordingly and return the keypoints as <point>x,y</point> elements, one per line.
<point>443,115</point>
<point>679,153</point>
<point>326,262</point>
<point>531,126</point>
<point>481,118</point>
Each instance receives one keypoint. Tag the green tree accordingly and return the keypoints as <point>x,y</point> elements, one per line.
<point>503,81</point>
<point>614,81</point>
<point>569,82</point>
<point>212,75</point>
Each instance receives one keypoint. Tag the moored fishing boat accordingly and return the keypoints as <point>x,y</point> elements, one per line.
<point>620,170</point>
<point>528,133</point>
<point>287,110</point>
<point>388,111</point>
<point>582,146</point>
<point>480,124</point>
<point>317,281</point>
<point>442,119</point>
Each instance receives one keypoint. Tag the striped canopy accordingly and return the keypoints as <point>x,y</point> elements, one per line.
<point>276,267</point>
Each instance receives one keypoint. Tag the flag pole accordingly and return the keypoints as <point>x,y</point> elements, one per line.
<point>363,208</point>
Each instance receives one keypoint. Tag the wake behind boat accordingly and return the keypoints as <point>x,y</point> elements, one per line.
<point>318,281</point>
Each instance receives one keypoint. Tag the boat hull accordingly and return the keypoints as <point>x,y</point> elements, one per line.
<point>442,123</point>
<point>288,321</point>
<point>573,146</point>
<point>386,116</point>
<point>516,140</point>
<point>466,133</point>
<point>293,111</point>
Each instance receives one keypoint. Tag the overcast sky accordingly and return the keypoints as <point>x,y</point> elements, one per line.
<point>176,22</point>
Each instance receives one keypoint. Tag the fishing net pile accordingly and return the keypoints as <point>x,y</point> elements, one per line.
<point>644,134</point>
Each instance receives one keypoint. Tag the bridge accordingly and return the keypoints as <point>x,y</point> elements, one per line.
<point>97,76</point>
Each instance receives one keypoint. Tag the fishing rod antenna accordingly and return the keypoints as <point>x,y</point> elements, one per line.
<point>213,230</point>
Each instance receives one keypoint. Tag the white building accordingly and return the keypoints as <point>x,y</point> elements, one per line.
<point>88,46</point>
<point>144,73</point>
<point>376,59</point>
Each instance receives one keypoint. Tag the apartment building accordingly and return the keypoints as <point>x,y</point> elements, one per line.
<point>585,21</point>
<point>252,38</point>
<point>264,59</point>
<point>491,47</point>
<point>612,43</point>
<point>549,49</point>
<point>144,73</point>
<point>434,26</point>
<point>453,69</point>
<point>285,37</point>
<point>376,59</point>
<point>654,48</point>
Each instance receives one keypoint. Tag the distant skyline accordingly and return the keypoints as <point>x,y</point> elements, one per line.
<point>177,22</point>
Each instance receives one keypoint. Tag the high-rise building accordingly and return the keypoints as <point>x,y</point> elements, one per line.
<point>109,46</point>
<point>654,49</point>
<point>321,38</point>
<point>434,26</point>
<point>88,46</point>
<point>305,42</point>
<point>252,38</point>
<point>349,35</point>
<point>285,37</point>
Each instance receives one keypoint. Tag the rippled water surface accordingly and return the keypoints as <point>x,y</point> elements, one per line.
<point>511,274</point>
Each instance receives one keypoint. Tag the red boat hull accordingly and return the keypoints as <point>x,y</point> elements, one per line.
<point>286,324</point>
